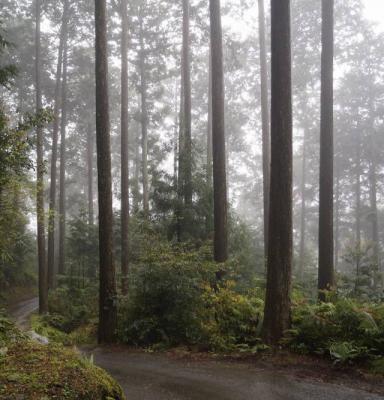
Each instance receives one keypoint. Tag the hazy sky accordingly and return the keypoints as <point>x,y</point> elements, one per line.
<point>375,11</point>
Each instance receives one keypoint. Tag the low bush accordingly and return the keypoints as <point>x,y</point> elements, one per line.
<point>72,307</point>
<point>174,298</point>
<point>231,320</point>
<point>343,329</point>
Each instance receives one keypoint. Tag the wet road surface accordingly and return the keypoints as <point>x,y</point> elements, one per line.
<point>145,376</point>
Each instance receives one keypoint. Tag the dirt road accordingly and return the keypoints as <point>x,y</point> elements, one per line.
<point>146,376</point>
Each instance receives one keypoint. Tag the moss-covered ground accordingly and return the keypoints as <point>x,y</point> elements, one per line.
<point>29,370</point>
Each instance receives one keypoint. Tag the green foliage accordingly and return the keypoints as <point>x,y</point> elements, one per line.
<point>7,72</point>
<point>82,247</point>
<point>15,160</point>
<point>165,294</point>
<point>8,332</point>
<point>33,371</point>
<point>17,245</point>
<point>232,320</point>
<point>347,352</point>
<point>366,282</point>
<point>71,307</point>
<point>51,327</point>
<point>344,329</point>
<point>174,298</point>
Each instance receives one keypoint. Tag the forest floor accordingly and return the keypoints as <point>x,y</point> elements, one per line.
<point>182,375</point>
<point>34,371</point>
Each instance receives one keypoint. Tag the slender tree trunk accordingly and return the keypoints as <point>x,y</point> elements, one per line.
<point>303,206</point>
<point>144,119</point>
<point>326,255</point>
<point>43,273</point>
<point>63,151</point>
<point>218,136</point>
<point>55,133</point>
<point>91,212</point>
<point>373,202</point>
<point>175,141</point>
<point>107,298</point>
<point>358,207</point>
<point>265,121</point>
<point>187,147</point>
<point>337,215</point>
<point>209,216</point>
<point>180,175</point>
<point>277,316</point>
<point>373,190</point>
<point>135,189</point>
<point>124,148</point>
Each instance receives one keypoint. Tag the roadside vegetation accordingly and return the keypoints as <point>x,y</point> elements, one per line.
<point>33,371</point>
<point>174,299</point>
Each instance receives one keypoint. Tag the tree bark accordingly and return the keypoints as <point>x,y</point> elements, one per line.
<point>265,122</point>
<point>63,151</point>
<point>277,316</point>
<point>187,125</point>
<point>373,202</point>
<point>218,136</point>
<point>43,273</point>
<point>303,206</point>
<point>180,175</point>
<point>124,149</point>
<point>358,207</point>
<point>107,305</point>
<point>209,215</point>
<point>326,251</point>
<point>135,188</point>
<point>144,118</point>
<point>337,214</point>
<point>55,134</point>
<point>176,141</point>
<point>373,189</point>
<point>90,144</point>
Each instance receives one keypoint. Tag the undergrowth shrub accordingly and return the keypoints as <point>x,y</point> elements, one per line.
<point>343,329</point>
<point>232,320</point>
<point>71,307</point>
<point>174,299</point>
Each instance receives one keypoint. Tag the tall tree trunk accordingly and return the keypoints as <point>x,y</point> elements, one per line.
<point>187,142</point>
<point>277,316</point>
<point>326,256</point>
<point>107,297</point>
<point>358,207</point>
<point>303,206</point>
<point>180,175</point>
<point>43,273</point>
<point>265,121</point>
<point>90,174</point>
<point>135,188</point>
<point>144,118</point>
<point>124,148</point>
<point>218,136</point>
<point>176,140</point>
<point>55,133</point>
<point>337,214</point>
<point>209,215</point>
<point>373,202</point>
<point>373,188</point>
<point>63,151</point>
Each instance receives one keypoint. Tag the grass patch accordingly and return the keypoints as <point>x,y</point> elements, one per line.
<point>84,334</point>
